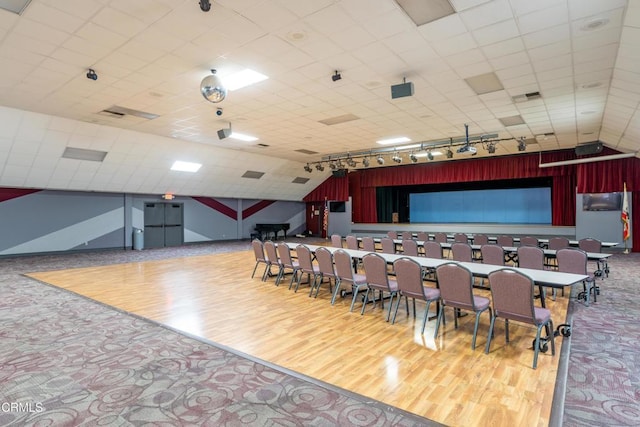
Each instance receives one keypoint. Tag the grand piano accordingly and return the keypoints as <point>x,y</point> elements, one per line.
<point>265,229</point>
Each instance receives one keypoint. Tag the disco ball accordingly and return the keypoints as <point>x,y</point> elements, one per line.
<point>212,89</point>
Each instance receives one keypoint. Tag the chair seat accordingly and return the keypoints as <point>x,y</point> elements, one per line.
<point>542,315</point>
<point>393,285</point>
<point>359,279</point>
<point>431,293</point>
<point>482,303</point>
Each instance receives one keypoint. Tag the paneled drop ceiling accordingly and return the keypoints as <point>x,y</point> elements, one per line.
<point>580,56</point>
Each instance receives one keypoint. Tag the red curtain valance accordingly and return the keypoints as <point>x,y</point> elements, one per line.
<point>333,188</point>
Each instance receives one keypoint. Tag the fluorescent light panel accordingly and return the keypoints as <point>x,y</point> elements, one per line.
<point>242,79</point>
<point>395,140</point>
<point>185,166</point>
<point>84,154</point>
<point>15,6</point>
<point>242,137</point>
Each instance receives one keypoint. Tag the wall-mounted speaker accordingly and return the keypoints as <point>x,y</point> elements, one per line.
<point>224,133</point>
<point>586,149</point>
<point>403,89</point>
<point>339,173</point>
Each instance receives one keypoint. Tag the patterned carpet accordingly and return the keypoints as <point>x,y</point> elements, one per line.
<point>603,383</point>
<point>69,361</point>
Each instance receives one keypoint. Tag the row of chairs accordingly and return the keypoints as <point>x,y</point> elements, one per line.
<point>528,255</point>
<point>512,292</point>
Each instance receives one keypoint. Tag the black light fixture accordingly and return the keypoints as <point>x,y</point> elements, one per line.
<point>352,163</point>
<point>333,166</point>
<point>397,157</point>
<point>380,160</point>
<point>449,153</point>
<point>365,162</point>
<point>308,168</point>
<point>91,75</point>
<point>205,5</point>
<point>429,155</point>
<point>336,76</point>
<point>413,157</point>
<point>319,167</point>
<point>522,145</point>
<point>491,147</point>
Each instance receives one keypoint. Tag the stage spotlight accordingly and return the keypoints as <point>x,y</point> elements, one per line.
<point>397,158</point>
<point>308,168</point>
<point>351,162</point>
<point>429,155</point>
<point>491,147</point>
<point>333,166</point>
<point>319,167</point>
<point>380,160</point>
<point>336,76</point>
<point>413,158</point>
<point>339,164</point>
<point>365,162</point>
<point>91,75</point>
<point>449,154</point>
<point>522,145</point>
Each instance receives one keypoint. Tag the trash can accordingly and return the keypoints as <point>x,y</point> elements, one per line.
<point>138,239</point>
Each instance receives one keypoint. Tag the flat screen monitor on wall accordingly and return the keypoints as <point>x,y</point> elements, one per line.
<point>602,202</point>
<point>337,207</point>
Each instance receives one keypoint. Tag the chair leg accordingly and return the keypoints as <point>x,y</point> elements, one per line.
<point>355,289</point>
<point>426,317</point>
<point>315,284</point>
<point>393,294</point>
<point>536,344</point>
<point>366,300</point>
<point>475,331</point>
<point>294,276</point>
<point>491,325</point>
<point>254,269</point>
<point>506,329</point>
<point>395,312</point>
<point>336,290</point>
<point>440,312</point>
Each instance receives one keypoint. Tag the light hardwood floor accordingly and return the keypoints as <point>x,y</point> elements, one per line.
<point>213,296</point>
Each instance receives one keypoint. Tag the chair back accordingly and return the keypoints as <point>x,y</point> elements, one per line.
<point>590,245</point>
<point>505,241</point>
<point>388,245</point>
<point>407,235</point>
<point>409,278</point>
<point>258,250</point>
<point>572,260</point>
<point>271,252</point>
<point>304,259</point>
<point>432,249</point>
<point>422,236</point>
<point>325,262</point>
<point>393,235</point>
<point>460,238</point>
<point>531,257</point>
<point>343,265</point>
<point>556,243</point>
<point>409,247</point>
<point>352,242</point>
<point>480,239</point>
<point>512,293</point>
<point>492,254</point>
<point>440,237</point>
<point>368,244</point>
<point>284,253</point>
<point>528,241</point>
<point>375,269</point>
<point>462,252</point>
<point>456,285</point>
<point>336,240</point>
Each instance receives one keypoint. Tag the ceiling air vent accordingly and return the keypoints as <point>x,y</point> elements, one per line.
<point>253,174</point>
<point>339,119</point>
<point>303,151</point>
<point>300,180</point>
<point>84,154</point>
<point>120,112</point>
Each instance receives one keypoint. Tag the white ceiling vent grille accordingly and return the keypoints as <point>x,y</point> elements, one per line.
<point>120,112</point>
<point>84,154</point>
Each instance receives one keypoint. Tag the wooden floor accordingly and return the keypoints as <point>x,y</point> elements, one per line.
<point>213,296</point>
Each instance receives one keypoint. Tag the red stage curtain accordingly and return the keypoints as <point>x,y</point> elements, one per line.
<point>333,188</point>
<point>563,200</point>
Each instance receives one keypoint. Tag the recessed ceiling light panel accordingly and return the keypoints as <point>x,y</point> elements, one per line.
<point>395,140</point>
<point>181,166</point>
<point>242,79</point>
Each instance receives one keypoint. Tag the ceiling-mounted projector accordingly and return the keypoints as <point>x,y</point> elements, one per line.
<point>467,149</point>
